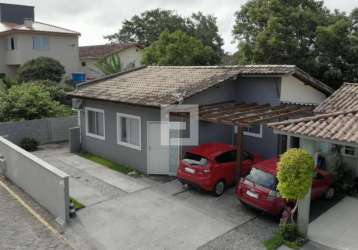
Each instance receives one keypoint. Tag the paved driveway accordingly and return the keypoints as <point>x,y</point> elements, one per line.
<point>138,213</point>
<point>154,219</point>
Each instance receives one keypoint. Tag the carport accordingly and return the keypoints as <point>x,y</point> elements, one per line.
<point>322,134</point>
<point>245,115</point>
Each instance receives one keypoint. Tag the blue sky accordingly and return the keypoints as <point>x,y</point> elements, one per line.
<point>94,19</point>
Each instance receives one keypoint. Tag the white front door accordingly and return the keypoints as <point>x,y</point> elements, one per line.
<point>158,155</point>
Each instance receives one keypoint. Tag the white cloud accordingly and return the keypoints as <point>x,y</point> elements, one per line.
<point>94,19</point>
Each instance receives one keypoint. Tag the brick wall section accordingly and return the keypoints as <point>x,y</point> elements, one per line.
<point>46,130</point>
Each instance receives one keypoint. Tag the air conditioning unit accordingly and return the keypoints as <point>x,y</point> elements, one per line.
<point>77,104</point>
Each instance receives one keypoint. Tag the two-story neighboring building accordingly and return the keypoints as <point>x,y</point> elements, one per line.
<point>22,39</point>
<point>130,55</point>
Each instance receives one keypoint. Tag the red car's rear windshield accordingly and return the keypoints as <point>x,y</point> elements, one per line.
<point>195,160</point>
<point>262,178</point>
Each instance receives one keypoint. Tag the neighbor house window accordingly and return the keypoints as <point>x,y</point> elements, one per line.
<point>11,43</point>
<point>95,126</point>
<point>254,130</point>
<point>40,42</point>
<point>349,151</point>
<point>129,130</point>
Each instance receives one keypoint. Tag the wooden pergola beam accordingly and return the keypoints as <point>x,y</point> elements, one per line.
<point>242,114</point>
<point>216,121</point>
<point>239,152</point>
<point>239,112</point>
<point>261,113</point>
<point>273,118</point>
<point>216,110</point>
<point>213,107</point>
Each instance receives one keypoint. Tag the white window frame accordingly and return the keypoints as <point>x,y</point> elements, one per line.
<point>42,37</point>
<point>257,135</point>
<point>119,134</point>
<point>104,123</point>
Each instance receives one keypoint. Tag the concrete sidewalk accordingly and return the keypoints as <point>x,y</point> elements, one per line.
<point>337,227</point>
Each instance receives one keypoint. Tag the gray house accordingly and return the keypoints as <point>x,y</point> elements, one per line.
<point>120,115</point>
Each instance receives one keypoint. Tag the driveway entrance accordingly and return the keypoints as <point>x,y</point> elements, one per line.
<point>338,227</point>
<point>139,213</point>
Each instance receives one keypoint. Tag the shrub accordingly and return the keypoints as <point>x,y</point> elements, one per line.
<point>110,65</point>
<point>57,91</point>
<point>41,68</point>
<point>29,144</point>
<point>28,102</point>
<point>295,174</point>
<point>289,231</point>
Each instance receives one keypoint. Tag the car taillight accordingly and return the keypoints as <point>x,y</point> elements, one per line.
<point>273,195</point>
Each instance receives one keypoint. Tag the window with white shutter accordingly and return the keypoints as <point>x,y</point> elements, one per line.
<point>129,130</point>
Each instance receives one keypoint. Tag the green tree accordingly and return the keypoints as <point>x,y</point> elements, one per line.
<point>204,28</point>
<point>178,48</point>
<point>41,68</point>
<point>110,64</point>
<point>28,102</point>
<point>295,175</point>
<point>337,44</point>
<point>299,32</point>
<point>147,27</point>
<point>57,91</point>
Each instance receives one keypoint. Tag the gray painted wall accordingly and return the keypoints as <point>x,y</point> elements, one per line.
<point>43,182</point>
<point>109,148</point>
<point>13,13</point>
<point>46,130</point>
<point>253,89</point>
<point>261,90</point>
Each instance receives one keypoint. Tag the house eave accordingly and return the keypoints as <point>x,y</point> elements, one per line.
<point>343,143</point>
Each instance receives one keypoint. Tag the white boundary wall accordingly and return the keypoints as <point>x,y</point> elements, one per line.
<point>46,184</point>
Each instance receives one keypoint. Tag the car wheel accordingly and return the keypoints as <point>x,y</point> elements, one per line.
<point>219,188</point>
<point>329,193</point>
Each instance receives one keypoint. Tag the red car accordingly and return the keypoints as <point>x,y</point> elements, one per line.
<point>211,167</point>
<point>258,188</point>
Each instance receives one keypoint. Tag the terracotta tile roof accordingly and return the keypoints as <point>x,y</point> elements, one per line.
<point>99,51</point>
<point>339,126</point>
<point>36,27</point>
<point>345,98</point>
<point>156,85</point>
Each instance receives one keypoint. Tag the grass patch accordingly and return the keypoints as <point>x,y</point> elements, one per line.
<point>277,240</point>
<point>78,205</point>
<point>110,164</point>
